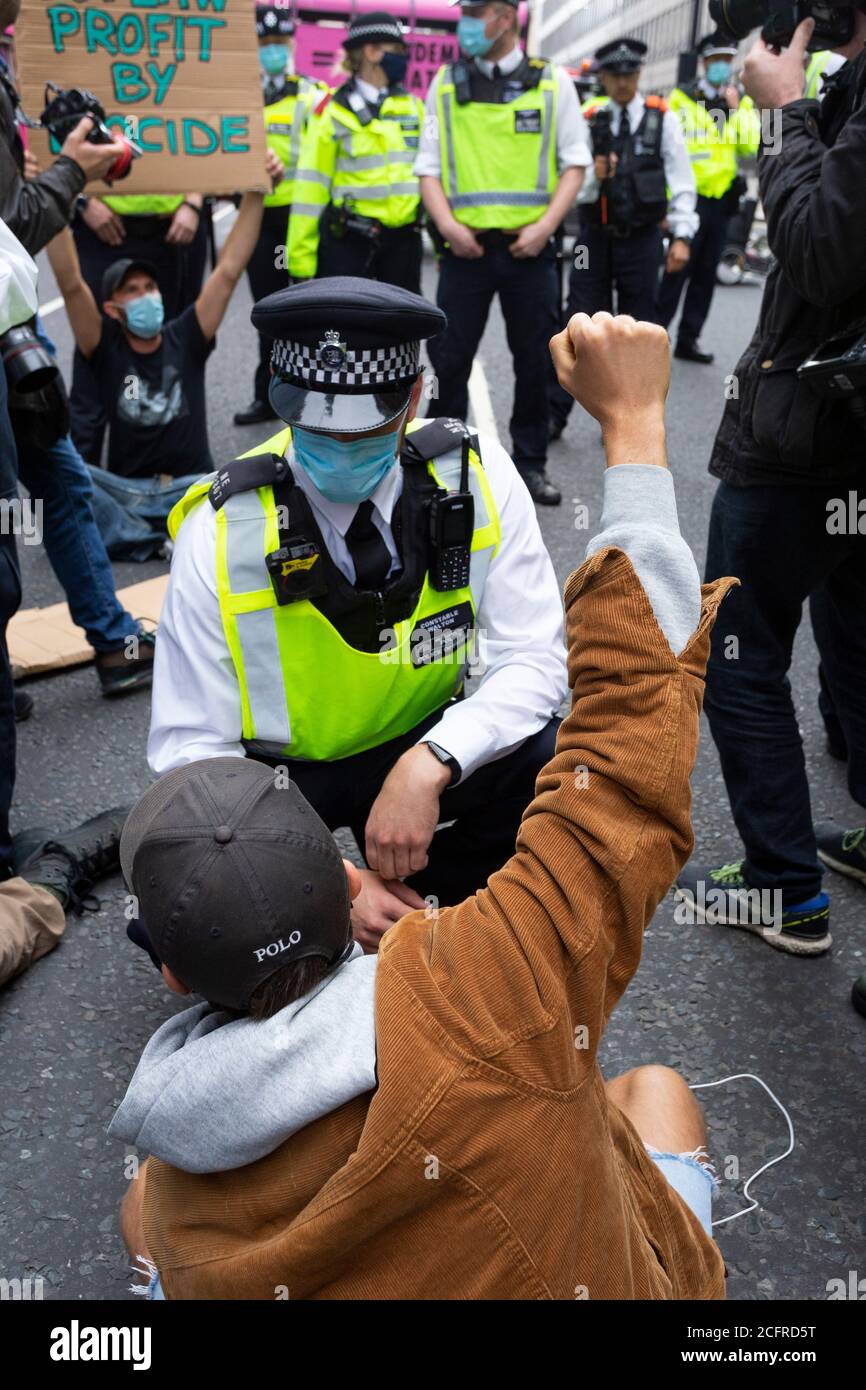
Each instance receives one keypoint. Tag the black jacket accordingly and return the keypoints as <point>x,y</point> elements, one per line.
<point>37,209</point>
<point>814,196</point>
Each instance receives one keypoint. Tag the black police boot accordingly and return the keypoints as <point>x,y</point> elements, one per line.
<point>256,414</point>
<point>90,850</point>
<point>119,673</point>
<point>690,352</point>
<point>23,706</point>
<point>541,489</point>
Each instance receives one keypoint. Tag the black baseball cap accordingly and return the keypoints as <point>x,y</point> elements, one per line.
<point>119,270</point>
<point>235,875</point>
<point>346,351</point>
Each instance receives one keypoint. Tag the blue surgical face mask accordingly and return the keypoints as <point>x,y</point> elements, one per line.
<point>274,58</point>
<point>349,471</point>
<point>472,38</point>
<point>145,315</point>
<point>719,74</point>
<point>394,66</point>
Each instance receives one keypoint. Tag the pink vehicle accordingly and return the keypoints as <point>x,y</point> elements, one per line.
<point>430,33</point>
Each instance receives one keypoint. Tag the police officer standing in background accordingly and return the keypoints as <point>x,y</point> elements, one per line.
<point>719,129</point>
<point>641,176</point>
<point>289,100</point>
<point>502,160</point>
<point>324,595</point>
<point>355,201</point>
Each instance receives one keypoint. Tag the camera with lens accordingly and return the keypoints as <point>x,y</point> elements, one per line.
<point>836,371</point>
<point>28,367</point>
<point>65,110</point>
<point>777,20</point>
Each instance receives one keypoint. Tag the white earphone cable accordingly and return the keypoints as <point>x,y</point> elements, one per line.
<point>750,1076</point>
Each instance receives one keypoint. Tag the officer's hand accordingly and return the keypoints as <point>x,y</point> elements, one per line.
<point>773,79</point>
<point>679,254</point>
<point>184,226</point>
<point>463,243</point>
<point>619,370</point>
<point>274,168</point>
<point>405,814</point>
<point>530,241</point>
<point>605,166</point>
<point>104,223</point>
<point>94,160</point>
<point>378,906</point>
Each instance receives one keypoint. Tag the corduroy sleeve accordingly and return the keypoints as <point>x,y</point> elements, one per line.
<point>549,946</point>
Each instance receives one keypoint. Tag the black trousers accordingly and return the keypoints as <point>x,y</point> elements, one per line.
<point>486,808</point>
<point>775,539</point>
<point>267,273</point>
<point>395,258</point>
<point>699,274</point>
<point>10,600</point>
<point>604,263</point>
<point>528,293</point>
<point>180,271</point>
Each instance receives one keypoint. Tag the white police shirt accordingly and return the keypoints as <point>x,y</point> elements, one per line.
<point>683,219</point>
<point>196,710</point>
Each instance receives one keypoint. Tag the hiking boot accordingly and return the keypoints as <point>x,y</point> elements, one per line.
<point>723,896</point>
<point>92,848</point>
<point>119,673</point>
<point>842,850</point>
<point>541,489</point>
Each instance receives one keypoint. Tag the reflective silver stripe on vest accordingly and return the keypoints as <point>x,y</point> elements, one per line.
<point>307,209</point>
<point>375,191</point>
<point>496,200</point>
<point>257,634</point>
<point>544,152</point>
<point>449,139</point>
<point>298,118</point>
<point>350,163</point>
<point>313,176</point>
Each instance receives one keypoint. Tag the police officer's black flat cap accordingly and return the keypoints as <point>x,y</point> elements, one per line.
<point>273,20</point>
<point>719,42</point>
<point>377,27</point>
<point>346,352</point>
<point>622,55</point>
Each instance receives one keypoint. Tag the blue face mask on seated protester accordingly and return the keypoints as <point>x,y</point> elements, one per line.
<point>345,472</point>
<point>273,58</point>
<point>472,38</point>
<point>719,74</point>
<point>145,315</point>
<point>394,66</point>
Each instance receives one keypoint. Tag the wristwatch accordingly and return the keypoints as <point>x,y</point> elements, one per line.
<point>446,759</point>
<point>81,202</point>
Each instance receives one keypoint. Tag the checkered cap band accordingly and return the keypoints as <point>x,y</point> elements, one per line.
<point>362,369</point>
<point>395,31</point>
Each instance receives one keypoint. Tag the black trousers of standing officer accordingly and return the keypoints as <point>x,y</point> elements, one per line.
<point>180,271</point>
<point>527,290</point>
<point>604,262</point>
<point>10,599</point>
<point>267,273</point>
<point>394,257</point>
<point>699,274</point>
<point>486,808</point>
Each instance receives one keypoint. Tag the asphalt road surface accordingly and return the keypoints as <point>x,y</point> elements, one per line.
<point>710,1001</point>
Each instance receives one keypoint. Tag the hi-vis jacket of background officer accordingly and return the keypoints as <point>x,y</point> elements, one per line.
<point>353,157</point>
<point>715,146</point>
<point>285,120</point>
<point>318,679</point>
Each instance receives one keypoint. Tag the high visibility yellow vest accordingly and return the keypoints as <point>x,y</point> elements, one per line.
<point>714,151</point>
<point>498,159</point>
<point>143,204</point>
<point>815,72</point>
<point>367,167</point>
<point>305,693</point>
<point>284,126</point>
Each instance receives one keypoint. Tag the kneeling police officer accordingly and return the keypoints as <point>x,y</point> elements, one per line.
<point>326,593</point>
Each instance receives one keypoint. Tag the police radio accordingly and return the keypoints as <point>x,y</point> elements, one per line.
<point>452,523</point>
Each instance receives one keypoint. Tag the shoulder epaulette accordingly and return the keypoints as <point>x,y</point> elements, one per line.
<point>245,475</point>
<point>435,438</point>
<point>537,62</point>
<point>658,103</point>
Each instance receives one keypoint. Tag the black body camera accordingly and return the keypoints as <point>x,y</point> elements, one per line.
<point>777,20</point>
<point>296,571</point>
<point>65,110</point>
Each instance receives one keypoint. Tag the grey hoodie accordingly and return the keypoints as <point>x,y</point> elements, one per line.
<point>212,1092</point>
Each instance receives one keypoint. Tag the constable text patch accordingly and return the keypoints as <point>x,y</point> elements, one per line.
<point>527,123</point>
<point>438,637</point>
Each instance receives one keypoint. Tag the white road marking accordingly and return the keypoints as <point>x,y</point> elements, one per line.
<point>51,307</point>
<point>480,404</point>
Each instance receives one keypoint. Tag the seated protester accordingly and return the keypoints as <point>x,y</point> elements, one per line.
<point>293,1119</point>
<point>151,374</point>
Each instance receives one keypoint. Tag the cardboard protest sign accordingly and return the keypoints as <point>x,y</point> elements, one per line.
<point>181,77</point>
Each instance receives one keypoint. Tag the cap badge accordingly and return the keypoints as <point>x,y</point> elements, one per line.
<point>332,353</point>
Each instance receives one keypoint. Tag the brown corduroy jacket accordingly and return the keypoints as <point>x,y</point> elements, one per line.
<point>488,1163</point>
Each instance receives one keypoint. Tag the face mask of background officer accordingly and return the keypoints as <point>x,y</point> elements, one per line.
<point>381,64</point>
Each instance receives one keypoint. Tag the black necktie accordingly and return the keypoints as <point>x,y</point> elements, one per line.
<point>369,553</point>
<point>497,72</point>
<point>624,129</point>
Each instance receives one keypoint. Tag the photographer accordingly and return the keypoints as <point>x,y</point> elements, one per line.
<point>783,454</point>
<point>37,209</point>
